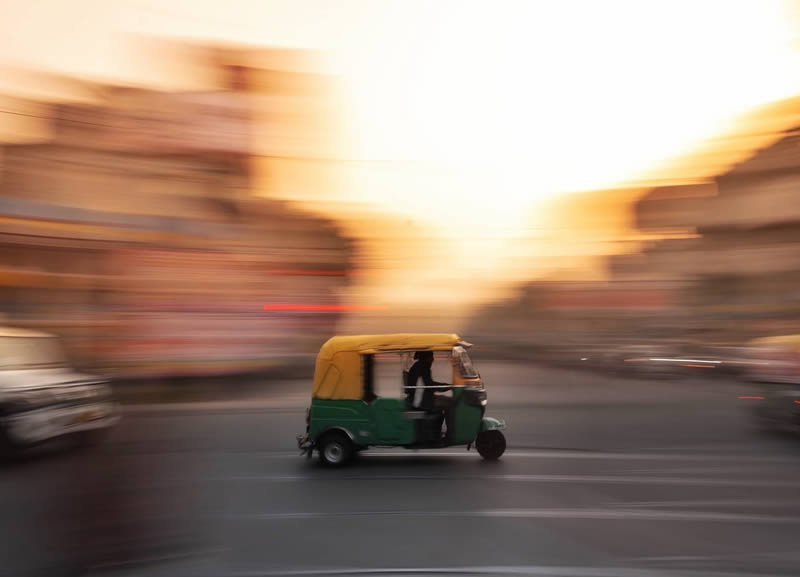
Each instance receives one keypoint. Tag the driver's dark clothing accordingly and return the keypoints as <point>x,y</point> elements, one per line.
<point>421,370</point>
<point>428,400</point>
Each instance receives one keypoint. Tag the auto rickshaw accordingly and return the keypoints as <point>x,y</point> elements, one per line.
<point>348,413</point>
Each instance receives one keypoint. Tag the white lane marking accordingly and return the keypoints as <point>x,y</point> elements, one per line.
<point>717,558</point>
<point>541,513</point>
<point>755,468</point>
<point>687,361</point>
<point>533,570</point>
<point>755,556</point>
<point>681,558</point>
<point>589,455</point>
<point>581,479</point>
<point>178,555</point>
<point>722,446</point>
<point>545,454</point>
<point>705,503</point>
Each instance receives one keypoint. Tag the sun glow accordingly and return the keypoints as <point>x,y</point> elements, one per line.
<point>505,104</point>
<point>464,118</point>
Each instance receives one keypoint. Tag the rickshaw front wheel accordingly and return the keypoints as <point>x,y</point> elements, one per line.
<point>335,449</point>
<point>491,444</point>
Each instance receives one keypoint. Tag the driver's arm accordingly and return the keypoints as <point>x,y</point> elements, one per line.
<point>429,382</point>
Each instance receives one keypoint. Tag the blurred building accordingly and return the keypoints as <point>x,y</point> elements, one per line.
<point>724,268</point>
<point>554,319</point>
<point>133,231</point>
<point>744,262</point>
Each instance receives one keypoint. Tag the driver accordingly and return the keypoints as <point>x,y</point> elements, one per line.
<point>424,397</point>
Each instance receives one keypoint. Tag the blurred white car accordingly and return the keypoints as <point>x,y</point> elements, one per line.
<point>775,360</point>
<point>41,397</point>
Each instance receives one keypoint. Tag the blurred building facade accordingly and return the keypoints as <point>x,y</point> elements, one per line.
<point>739,273</point>
<point>134,232</point>
<point>725,270</point>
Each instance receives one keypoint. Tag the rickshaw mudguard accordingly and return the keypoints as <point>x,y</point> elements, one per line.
<point>492,424</point>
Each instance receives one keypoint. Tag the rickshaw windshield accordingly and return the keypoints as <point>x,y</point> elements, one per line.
<point>464,363</point>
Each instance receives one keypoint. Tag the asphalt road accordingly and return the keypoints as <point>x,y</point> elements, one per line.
<point>602,478</point>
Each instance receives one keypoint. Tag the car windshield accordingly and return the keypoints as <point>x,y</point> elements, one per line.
<point>464,363</point>
<point>30,352</point>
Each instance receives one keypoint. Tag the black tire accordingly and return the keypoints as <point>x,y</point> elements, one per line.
<point>335,449</point>
<point>491,445</point>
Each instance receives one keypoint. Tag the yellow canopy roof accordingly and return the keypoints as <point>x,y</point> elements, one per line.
<point>392,342</point>
<point>338,370</point>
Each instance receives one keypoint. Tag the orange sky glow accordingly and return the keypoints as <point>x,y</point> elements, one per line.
<point>465,119</point>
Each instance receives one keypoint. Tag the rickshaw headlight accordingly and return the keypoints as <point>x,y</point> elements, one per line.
<point>483,402</point>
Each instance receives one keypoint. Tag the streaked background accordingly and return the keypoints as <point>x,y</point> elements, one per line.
<point>195,195</point>
<point>407,162</point>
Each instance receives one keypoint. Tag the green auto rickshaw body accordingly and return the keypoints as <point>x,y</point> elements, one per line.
<point>344,401</point>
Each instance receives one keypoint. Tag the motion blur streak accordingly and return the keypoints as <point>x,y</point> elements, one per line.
<point>322,308</point>
<point>602,196</point>
<point>301,272</point>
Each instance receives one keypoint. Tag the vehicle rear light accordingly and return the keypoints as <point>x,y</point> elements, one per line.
<point>751,397</point>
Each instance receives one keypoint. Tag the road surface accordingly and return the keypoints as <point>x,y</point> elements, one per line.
<point>602,478</point>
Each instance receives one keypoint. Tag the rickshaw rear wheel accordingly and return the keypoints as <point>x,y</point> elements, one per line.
<point>335,449</point>
<point>491,445</point>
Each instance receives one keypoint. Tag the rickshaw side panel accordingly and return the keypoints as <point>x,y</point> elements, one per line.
<point>392,426</point>
<point>466,418</point>
<point>352,416</point>
<point>382,422</point>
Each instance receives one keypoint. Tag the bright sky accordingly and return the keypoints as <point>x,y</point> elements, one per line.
<point>484,110</point>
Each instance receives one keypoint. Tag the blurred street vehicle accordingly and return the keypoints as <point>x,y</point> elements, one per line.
<point>42,398</point>
<point>773,369</point>
<point>775,359</point>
